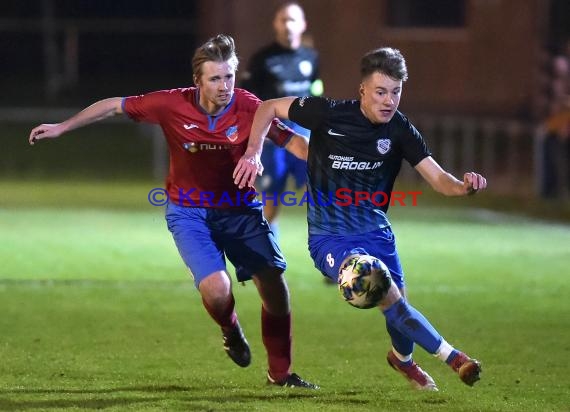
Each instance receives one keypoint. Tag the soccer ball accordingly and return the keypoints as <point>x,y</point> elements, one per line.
<point>363,281</point>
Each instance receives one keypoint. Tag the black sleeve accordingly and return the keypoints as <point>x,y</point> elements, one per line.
<point>255,76</point>
<point>317,67</point>
<point>309,112</point>
<point>414,147</point>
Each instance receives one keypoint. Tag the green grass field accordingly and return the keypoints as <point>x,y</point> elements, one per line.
<point>98,312</point>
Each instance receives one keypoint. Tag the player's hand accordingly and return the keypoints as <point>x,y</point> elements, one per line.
<point>45,131</point>
<point>473,182</point>
<point>246,171</point>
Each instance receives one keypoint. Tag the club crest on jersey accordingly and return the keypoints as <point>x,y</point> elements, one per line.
<point>306,68</point>
<point>383,146</point>
<point>232,133</point>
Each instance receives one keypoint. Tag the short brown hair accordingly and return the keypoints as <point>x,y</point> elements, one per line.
<point>220,48</point>
<point>284,4</point>
<point>385,60</point>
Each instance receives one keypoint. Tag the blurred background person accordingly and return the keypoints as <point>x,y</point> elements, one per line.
<point>555,131</point>
<point>286,67</point>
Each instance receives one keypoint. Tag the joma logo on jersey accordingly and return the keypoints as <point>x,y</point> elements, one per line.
<point>356,165</point>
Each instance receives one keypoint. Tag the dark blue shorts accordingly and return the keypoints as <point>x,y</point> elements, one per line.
<point>279,164</point>
<point>329,251</point>
<point>206,236</point>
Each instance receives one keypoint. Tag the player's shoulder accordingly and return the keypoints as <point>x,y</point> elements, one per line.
<point>245,100</point>
<point>326,103</point>
<point>244,95</point>
<point>161,101</point>
<point>399,117</point>
<point>266,51</point>
<point>308,52</point>
<point>345,103</point>
<point>400,125</point>
<point>400,120</point>
<point>184,93</point>
<point>346,106</point>
<point>180,93</point>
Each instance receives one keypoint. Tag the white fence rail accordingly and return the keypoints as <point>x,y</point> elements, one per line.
<point>506,151</point>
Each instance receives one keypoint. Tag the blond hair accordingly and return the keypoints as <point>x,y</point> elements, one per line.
<point>220,48</point>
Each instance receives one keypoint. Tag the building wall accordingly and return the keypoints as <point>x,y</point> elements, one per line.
<point>488,67</point>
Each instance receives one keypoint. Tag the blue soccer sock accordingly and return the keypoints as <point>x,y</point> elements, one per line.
<point>402,345</point>
<point>413,325</point>
<point>448,357</point>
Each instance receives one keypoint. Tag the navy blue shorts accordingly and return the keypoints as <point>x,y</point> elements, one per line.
<point>206,236</point>
<point>329,251</point>
<point>279,164</point>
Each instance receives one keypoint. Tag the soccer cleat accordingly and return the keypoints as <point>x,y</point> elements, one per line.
<point>292,381</point>
<point>413,373</point>
<point>468,369</point>
<point>236,346</point>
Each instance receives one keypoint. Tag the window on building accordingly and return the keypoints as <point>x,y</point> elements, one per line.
<point>426,13</point>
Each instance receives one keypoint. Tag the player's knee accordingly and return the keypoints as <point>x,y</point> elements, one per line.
<point>216,284</point>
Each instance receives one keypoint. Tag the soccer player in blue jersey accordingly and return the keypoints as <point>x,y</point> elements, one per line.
<point>358,146</point>
<point>207,128</point>
<point>285,67</point>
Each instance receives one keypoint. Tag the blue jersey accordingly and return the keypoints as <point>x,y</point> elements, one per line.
<point>351,158</point>
<point>276,71</point>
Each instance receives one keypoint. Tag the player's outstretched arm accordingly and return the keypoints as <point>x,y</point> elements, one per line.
<point>249,166</point>
<point>97,111</point>
<point>447,184</point>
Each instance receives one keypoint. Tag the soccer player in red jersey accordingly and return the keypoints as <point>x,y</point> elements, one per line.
<point>207,129</point>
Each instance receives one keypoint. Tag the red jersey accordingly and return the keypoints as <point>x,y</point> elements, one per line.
<point>204,149</point>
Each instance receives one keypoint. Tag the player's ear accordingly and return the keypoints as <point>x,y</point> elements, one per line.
<point>361,90</point>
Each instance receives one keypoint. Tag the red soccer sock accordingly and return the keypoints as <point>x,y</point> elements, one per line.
<point>226,316</point>
<point>276,334</point>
